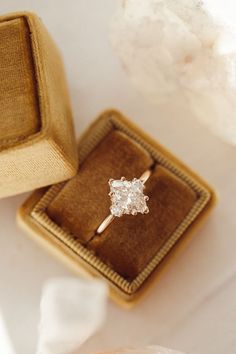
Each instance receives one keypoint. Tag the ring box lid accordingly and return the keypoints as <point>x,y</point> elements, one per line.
<point>36,127</point>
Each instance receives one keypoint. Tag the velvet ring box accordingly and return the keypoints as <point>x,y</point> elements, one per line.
<point>65,216</point>
<point>37,142</point>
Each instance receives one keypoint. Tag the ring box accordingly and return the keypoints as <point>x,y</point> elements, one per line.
<point>37,141</point>
<point>133,249</point>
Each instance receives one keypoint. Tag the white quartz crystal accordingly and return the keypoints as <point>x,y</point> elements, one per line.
<point>71,311</point>
<point>127,197</point>
<point>185,47</point>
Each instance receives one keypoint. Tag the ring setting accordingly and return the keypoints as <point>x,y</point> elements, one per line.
<point>127,197</point>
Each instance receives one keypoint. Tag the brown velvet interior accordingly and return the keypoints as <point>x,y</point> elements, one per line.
<point>83,203</point>
<point>130,242</point>
<point>19,115</point>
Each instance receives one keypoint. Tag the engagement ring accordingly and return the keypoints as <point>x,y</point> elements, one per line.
<point>127,197</point>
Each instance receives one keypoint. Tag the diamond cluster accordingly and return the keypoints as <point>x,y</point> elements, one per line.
<point>127,197</point>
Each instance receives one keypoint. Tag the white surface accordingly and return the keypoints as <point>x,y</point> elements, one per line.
<point>192,308</point>
<point>5,340</point>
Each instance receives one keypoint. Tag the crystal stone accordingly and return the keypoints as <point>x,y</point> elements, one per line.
<point>127,197</point>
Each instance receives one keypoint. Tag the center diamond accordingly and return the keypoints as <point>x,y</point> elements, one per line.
<point>127,197</point>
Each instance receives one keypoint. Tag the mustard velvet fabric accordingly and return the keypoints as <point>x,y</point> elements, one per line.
<point>130,242</point>
<point>37,140</point>
<point>19,113</point>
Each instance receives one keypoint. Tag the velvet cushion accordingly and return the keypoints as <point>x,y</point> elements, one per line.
<point>19,112</point>
<point>129,243</point>
<point>84,202</point>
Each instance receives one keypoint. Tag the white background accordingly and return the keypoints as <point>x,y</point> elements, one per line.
<point>193,306</point>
